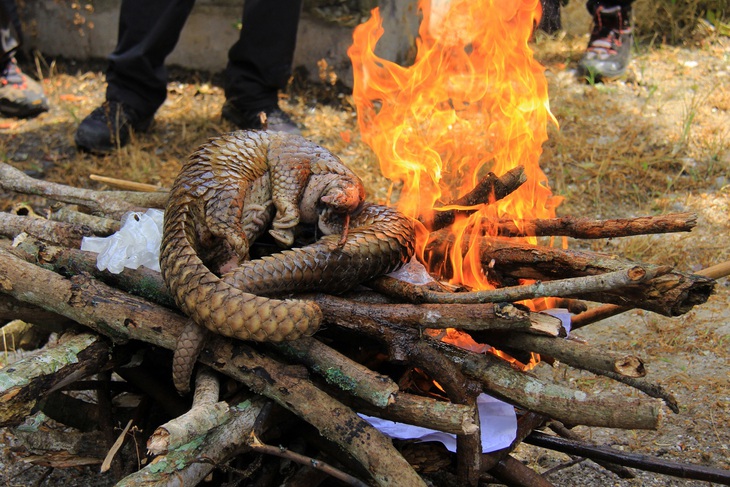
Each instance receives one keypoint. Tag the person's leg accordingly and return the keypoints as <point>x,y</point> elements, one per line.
<point>148,32</point>
<point>550,21</point>
<point>136,75</point>
<point>260,62</point>
<point>20,96</point>
<point>609,47</point>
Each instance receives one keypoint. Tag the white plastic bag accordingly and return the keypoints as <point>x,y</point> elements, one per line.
<point>136,244</point>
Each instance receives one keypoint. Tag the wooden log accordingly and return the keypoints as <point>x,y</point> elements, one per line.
<point>11,309</point>
<point>421,411</point>
<point>598,313</point>
<point>573,353</point>
<point>101,226</point>
<point>103,203</point>
<point>486,316</point>
<point>489,189</point>
<point>671,293</point>
<point>123,317</point>
<point>542,289</point>
<point>553,400</point>
<point>643,462</point>
<point>205,414</point>
<point>514,473</point>
<point>500,379</point>
<point>30,379</point>
<point>585,228</point>
<point>457,388</point>
<point>623,368</point>
<point>59,233</point>
<point>192,462</point>
<point>339,370</point>
<point>140,282</point>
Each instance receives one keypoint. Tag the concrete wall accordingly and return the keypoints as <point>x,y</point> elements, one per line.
<point>75,30</point>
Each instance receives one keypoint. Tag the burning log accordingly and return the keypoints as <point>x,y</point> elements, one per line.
<point>488,190</point>
<point>606,311</point>
<point>670,294</point>
<point>558,288</point>
<point>585,228</point>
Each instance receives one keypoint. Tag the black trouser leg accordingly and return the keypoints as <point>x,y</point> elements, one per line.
<point>148,32</point>
<point>9,21</point>
<point>260,62</point>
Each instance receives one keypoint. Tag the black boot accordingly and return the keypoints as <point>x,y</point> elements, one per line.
<point>609,48</point>
<point>109,126</point>
<point>271,118</point>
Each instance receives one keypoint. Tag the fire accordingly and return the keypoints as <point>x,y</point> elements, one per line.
<point>473,101</point>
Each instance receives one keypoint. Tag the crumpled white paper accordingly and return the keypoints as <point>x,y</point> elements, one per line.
<point>137,243</point>
<point>497,419</point>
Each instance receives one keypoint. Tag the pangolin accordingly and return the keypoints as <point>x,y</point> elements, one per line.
<point>234,188</point>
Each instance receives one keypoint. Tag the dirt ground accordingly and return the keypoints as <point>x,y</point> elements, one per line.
<point>653,142</point>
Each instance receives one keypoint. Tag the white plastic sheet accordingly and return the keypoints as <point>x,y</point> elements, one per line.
<point>497,419</point>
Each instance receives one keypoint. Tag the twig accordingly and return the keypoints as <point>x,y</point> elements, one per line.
<point>256,445</point>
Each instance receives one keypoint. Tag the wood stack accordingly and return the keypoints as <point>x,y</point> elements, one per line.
<point>378,354</point>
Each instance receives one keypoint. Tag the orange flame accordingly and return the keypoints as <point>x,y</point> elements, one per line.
<point>473,101</point>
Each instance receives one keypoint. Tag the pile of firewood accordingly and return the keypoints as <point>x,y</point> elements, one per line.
<point>286,413</point>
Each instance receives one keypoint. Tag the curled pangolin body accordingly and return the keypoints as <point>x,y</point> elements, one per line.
<point>240,185</point>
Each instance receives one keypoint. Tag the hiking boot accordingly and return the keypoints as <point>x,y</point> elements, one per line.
<point>20,96</point>
<point>109,127</point>
<point>272,118</point>
<point>609,48</point>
